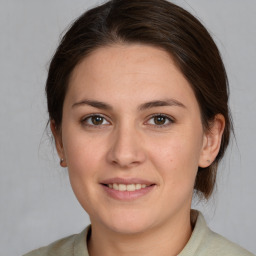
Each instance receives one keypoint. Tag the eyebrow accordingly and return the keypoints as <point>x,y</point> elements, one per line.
<point>93,103</point>
<point>144,106</point>
<point>161,103</point>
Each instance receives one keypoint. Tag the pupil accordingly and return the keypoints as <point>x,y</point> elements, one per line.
<point>160,120</point>
<point>97,120</point>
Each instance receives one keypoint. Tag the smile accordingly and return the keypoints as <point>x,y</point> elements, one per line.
<point>126,187</point>
<point>128,191</point>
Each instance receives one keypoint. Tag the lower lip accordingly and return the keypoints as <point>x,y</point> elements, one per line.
<point>127,195</point>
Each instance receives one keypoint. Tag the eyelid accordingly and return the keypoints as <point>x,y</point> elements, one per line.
<point>83,120</point>
<point>170,119</point>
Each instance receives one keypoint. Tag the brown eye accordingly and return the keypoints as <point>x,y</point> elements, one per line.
<point>159,120</point>
<point>95,120</point>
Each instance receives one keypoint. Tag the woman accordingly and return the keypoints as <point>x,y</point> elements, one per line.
<point>138,106</point>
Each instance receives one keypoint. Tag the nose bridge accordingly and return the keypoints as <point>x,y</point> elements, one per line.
<point>126,145</point>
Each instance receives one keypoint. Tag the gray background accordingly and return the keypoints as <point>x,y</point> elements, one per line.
<point>37,203</point>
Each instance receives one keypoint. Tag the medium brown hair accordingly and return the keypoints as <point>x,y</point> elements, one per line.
<point>157,23</point>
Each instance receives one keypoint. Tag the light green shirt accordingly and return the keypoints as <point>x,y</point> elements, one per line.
<point>203,242</point>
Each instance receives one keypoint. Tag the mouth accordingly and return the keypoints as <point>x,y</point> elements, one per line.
<point>127,187</point>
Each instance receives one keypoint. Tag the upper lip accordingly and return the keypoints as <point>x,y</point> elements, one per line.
<point>126,181</point>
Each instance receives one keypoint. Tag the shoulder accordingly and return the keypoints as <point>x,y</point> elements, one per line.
<point>219,245</point>
<point>205,242</point>
<point>66,246</point>
<point>62,247</point>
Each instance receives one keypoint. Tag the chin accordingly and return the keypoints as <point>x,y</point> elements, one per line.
<point>128,223</point>
<point>129,227</point>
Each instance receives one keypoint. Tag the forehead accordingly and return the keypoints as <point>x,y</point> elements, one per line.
<point>132,60</point>
<point>135,71</point>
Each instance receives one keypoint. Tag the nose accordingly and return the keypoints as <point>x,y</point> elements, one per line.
<point>126,148</point>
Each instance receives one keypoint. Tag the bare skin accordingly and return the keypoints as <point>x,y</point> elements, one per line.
<point>130,114</point>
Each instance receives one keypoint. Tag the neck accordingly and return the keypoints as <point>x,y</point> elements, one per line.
<point>167,239</point>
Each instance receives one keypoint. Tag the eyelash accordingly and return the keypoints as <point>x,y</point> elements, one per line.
<point>168,118</point>
<point>85,121</point>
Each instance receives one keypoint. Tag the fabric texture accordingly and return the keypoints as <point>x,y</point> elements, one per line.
<point>203,242</point>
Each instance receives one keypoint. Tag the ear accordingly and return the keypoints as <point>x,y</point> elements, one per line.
<point>58,143</point>
<point>212,141</point>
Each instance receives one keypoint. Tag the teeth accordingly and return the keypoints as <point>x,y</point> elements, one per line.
<point>122,187</point>
<point>138,186</point>
<point>129,187</point>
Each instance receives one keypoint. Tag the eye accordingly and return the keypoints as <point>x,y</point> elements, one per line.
<point>95,120</point>
<point>160,120</point>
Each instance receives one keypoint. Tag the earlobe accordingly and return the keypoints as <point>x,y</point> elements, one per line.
<point>58,143</point>
<point>212,141</point>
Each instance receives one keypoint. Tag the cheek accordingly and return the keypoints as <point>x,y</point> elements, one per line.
<point>176,156</point>
<point>83,153</point>
<point>83,156</point>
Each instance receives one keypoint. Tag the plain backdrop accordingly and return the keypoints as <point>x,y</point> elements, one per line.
<point>37,203</point>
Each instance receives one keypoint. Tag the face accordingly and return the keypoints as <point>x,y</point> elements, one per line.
<point>131,137</point>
